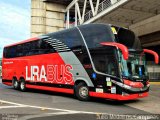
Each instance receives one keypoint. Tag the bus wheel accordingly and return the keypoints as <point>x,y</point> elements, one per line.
<point>22,85</point>
<point>82,91</point>
<point>15,83</point>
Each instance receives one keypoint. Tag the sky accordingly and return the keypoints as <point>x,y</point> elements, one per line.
<point>14,21</point>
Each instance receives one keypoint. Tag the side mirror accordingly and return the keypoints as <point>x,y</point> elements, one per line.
<point>122,47</point>
<point>156,56</point>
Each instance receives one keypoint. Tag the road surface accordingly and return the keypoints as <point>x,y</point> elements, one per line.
<point>40,105</point>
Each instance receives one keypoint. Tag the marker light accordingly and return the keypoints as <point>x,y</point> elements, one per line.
<point>94,75</point>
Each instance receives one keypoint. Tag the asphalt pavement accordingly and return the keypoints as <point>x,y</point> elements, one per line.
<point>40,105</point>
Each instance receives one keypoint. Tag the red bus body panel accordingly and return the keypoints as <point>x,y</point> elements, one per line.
<point>17,67</point>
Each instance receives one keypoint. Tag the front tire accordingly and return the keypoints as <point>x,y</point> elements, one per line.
<point>82,91</point>
<point>22,85</point>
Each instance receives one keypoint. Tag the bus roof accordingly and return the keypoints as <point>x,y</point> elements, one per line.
<point>24,41</point>
<point>120,31</point>
<point>49,34</point>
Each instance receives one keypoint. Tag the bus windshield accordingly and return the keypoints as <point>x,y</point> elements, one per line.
<point>105,60</point>
<point>134,67</point>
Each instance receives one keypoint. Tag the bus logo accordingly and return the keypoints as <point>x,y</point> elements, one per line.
<point>50,73</point>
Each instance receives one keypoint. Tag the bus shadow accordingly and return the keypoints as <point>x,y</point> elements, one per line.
<point>51,93</point>
<point>113,102</point>
<point>91,100</point>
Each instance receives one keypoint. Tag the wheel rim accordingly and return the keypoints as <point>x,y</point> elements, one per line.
<point>15,84</point>
<point>83,92</point>
<point>22,86</point>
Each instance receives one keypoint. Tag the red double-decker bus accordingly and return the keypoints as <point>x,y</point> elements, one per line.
<point>94,60</point>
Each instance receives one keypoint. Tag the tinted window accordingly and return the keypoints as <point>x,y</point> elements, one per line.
<point>19,50</point>
<point>27,49</point>
<point>94,34</point>
<point>10,52</point>
<point>45,48</point>
<point>71,38</point>
<point>30,48</point>
<point>105,60</point>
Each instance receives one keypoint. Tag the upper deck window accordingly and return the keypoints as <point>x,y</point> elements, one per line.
<point>71,38</point>
<point>94,34</point>
<point>27,49</point>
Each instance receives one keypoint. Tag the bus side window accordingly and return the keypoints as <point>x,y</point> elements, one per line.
<point>34,48</point>
<point>19,50</point>
<point>31,48</point>
<point>73,41</point>
<point>4,52</point>
<point>46,48</point>
<point>26,49</point>
<point>12,52</point>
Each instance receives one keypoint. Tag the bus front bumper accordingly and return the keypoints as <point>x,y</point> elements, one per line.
<point>118,96</point>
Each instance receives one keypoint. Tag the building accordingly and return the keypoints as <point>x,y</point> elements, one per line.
<point>141,16</point>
